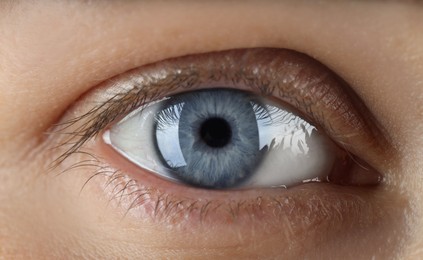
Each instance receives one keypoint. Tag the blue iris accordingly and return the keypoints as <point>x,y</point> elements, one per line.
<point>216,142</point>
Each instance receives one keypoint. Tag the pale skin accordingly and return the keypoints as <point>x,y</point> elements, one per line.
<point>55,53</point>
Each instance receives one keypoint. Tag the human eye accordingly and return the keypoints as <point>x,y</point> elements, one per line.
<point>219,137</point>
<point>120,136</point>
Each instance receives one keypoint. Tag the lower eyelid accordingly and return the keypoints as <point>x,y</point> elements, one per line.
<point>147,196</point>
<point>294,220</point>
<point>302,215</point>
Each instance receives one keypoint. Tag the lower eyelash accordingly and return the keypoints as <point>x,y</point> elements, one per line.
<point>121,189</point>
<point>162,207</point>
<point>146,203</point>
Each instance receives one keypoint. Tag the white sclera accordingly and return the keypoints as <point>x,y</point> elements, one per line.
<point>134,138</point>
<point>298,154</point>
<point>296,151</point>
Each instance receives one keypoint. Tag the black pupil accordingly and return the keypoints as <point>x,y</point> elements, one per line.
<point>216,132</point>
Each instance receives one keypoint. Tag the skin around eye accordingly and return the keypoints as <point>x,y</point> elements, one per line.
<point>373,45</point>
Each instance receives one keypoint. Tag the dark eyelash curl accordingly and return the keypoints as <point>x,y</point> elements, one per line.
<point>99,117</point>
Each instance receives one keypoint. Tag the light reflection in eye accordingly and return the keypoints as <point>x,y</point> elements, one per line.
<point>223,138</point>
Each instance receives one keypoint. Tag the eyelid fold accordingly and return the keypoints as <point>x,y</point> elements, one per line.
<point>284,75</point>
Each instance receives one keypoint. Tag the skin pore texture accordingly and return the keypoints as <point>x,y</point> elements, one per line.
<point>54,54</point>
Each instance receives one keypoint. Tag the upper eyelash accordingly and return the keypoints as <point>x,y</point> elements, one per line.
<point>96,119</point>
<point>120,104</point>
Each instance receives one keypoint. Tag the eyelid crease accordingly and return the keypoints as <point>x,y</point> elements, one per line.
<point>291,77</point>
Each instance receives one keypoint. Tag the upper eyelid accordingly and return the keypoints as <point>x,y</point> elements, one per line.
<point>89,68</point>
<point>135,88</point>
